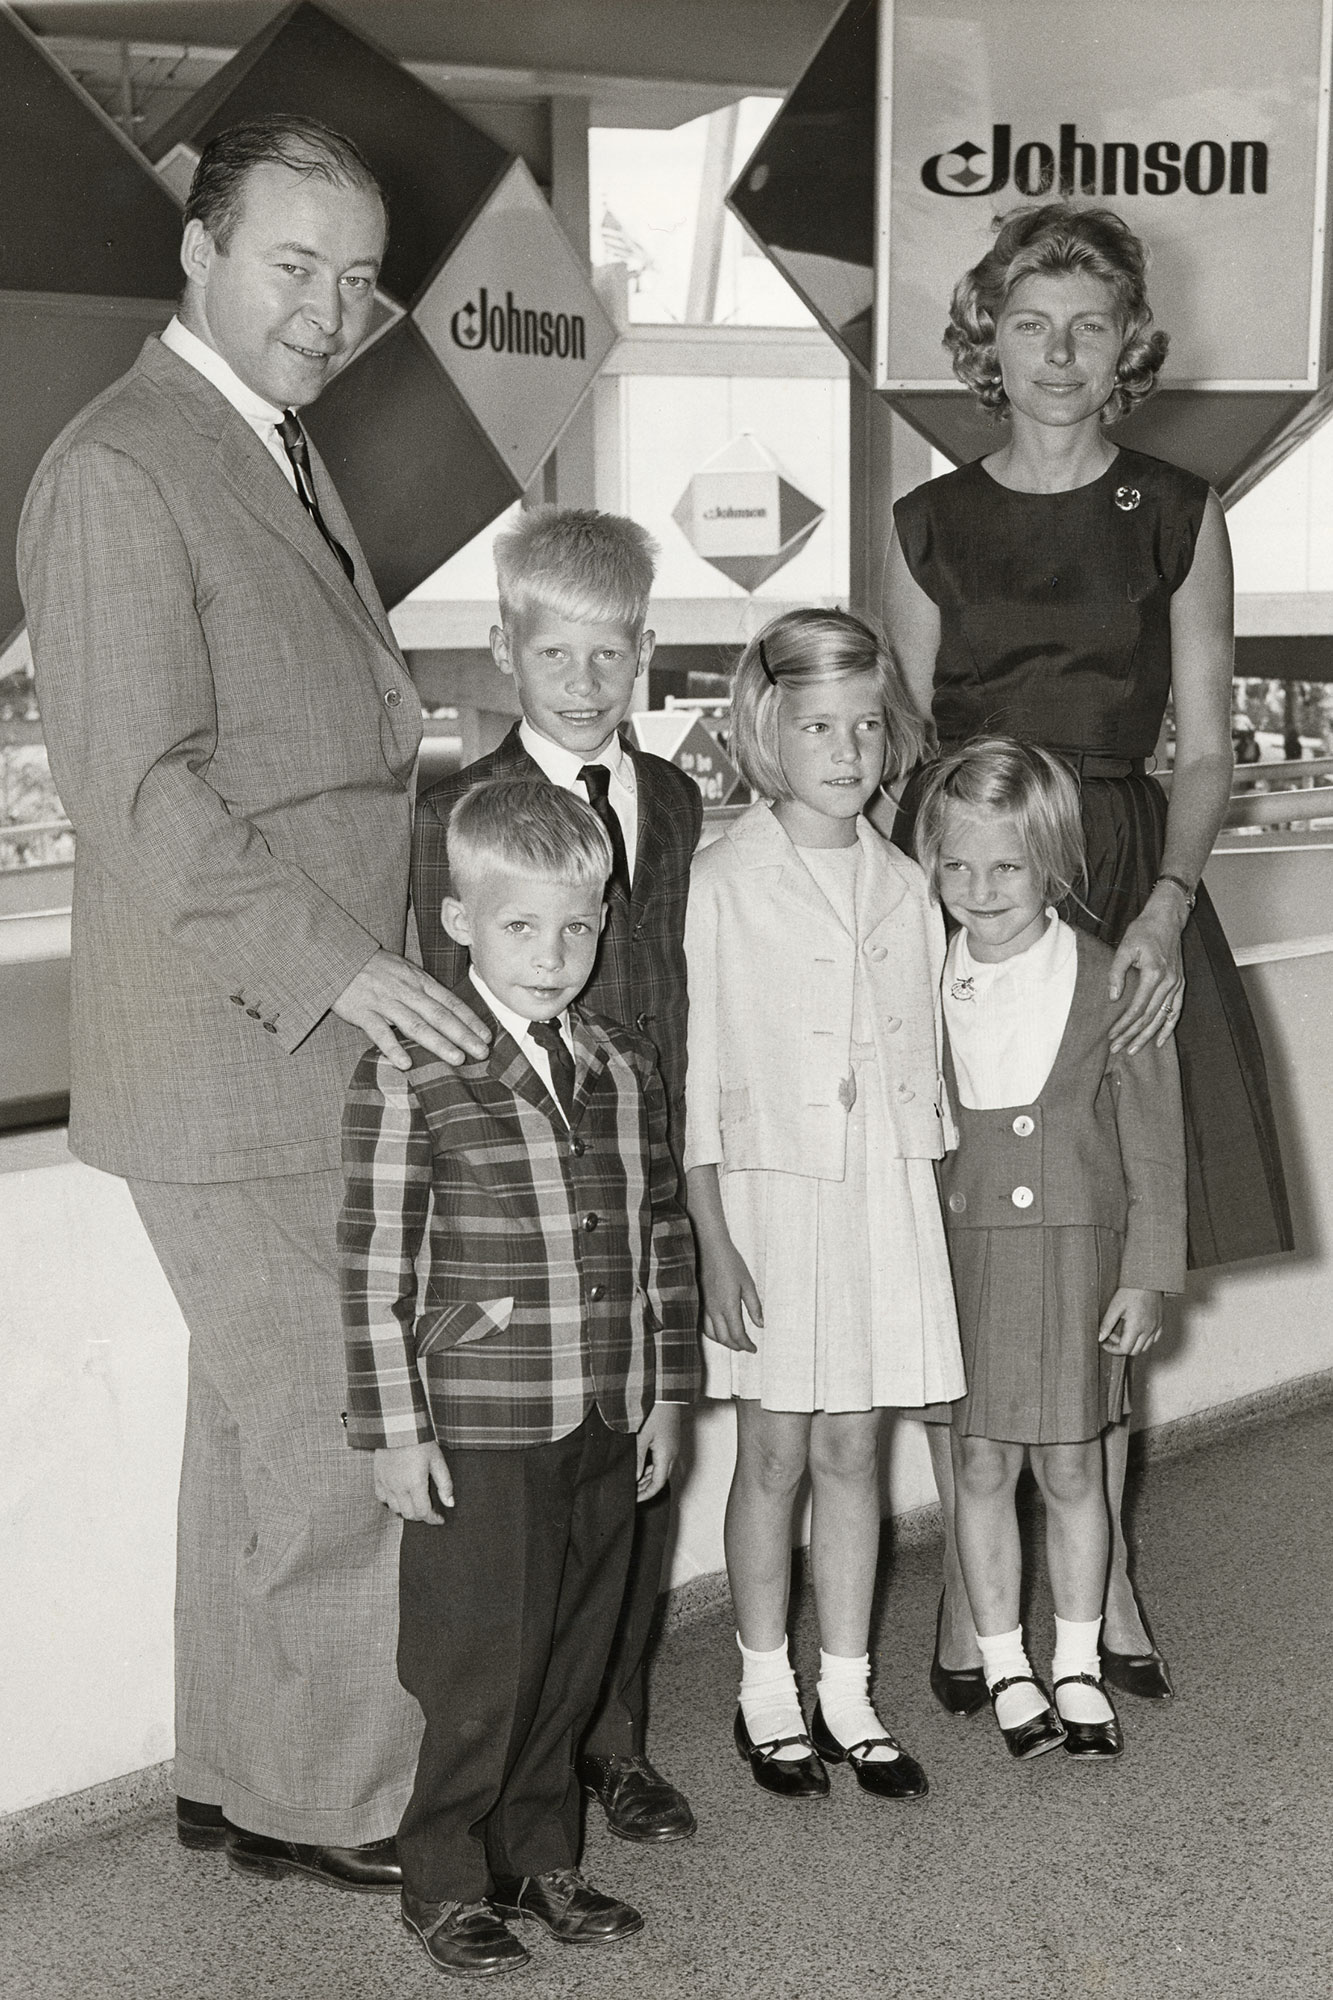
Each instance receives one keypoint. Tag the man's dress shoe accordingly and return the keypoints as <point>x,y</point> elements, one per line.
<point>467,1939</point>
<point>569,1908</point>
<point>1040,1732</point>
<point>639,1803</point>
<point>788,1777</point>
<point>373,1869</point>
<point>1143,1674</point>
<point>958,1690</point>
<point>899,1777</point>
<point>1091,1739</point>
<point>200,1826</point>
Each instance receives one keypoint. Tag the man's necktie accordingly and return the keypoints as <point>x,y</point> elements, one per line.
<point>549,1037</point>
<point>293,437</point>
<point>597,779</point>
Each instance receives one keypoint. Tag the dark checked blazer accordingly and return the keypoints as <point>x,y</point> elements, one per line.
<point>503,1272</point>
<point>1104,1143</point>
<point>639,977</point>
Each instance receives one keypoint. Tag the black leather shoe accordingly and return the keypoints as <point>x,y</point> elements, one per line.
<point>373,1869</point>
<point>789,1777</point>
<point>639,1803</point>
<point>1090,1739</point>
<point>958,1690</point>
<point>1040,1732</point>
<point>466,1939</point>
<point>567,1906</point>
<point>899,1777</point>
<point>1143,1674</point>
<point>200,1826</point>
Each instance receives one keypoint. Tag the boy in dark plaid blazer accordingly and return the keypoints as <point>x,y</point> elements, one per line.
<point>574,588</point>
<point>518,1287</point>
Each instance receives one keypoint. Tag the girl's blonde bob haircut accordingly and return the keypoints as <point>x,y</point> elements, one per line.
<point>526,826</point>
<point>794,650</point>
<point>1057,239</point>
<point>996,774</point>
<point>576,562</point>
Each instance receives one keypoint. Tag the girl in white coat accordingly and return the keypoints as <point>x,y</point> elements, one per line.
<point>815,1111</point>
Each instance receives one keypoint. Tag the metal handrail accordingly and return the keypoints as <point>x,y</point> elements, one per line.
<point>30,828</point>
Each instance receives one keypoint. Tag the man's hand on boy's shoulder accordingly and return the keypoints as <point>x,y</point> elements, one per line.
<point>404,1475</point>
<point>390,993</point>
<point>658,1448</point>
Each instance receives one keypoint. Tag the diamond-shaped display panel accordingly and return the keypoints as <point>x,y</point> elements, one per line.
<point>89,267</point>
<point>744,515</point>
<point>434,166</point>
<point>808,192</point>
<point>516,324</point>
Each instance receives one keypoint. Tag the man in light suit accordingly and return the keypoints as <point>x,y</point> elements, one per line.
<point>233,730</point>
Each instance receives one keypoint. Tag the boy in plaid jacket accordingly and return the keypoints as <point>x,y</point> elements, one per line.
<point>574,587</point>
<point>519,1304</point>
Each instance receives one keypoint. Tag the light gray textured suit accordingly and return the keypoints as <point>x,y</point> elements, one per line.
<point>232,731</point>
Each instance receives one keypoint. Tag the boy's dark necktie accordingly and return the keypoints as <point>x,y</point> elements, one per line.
<point>597,779</point>
<point>548,1036</point>
<point>293,437</point>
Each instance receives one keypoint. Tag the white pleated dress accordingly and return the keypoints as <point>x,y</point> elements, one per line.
<point>853,1275</point>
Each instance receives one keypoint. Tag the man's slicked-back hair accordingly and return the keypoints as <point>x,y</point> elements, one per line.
<point>279,139</point>
<point>527,826</point>
<point>1020,781</point>
<point>578,562</point>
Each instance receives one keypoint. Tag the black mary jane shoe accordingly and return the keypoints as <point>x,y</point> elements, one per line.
<point>1090,1739</point>
<point>958,1690</point>
<point>1039,1733</point>
<point>899,1777</point>
<point>788,1777</point>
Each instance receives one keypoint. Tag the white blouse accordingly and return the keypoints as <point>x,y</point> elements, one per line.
<point>1005,1020</point>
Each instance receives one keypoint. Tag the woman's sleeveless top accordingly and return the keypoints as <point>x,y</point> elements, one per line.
<point>1055,608</point>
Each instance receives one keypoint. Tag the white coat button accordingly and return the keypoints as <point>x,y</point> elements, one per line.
<point>1021,1197</point>
<point>893,1024</point>
<point>877,953</point>
<point>905,1095</point>
<point>1024,1126</point>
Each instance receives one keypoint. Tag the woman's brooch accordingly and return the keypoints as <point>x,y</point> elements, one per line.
<point>1127,498</point>
<point>964,989</point>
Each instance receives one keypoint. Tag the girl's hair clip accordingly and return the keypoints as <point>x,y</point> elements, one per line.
<point>769,675</point>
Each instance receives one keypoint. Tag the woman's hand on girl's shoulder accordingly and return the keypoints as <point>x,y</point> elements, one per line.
<point>1150,947</point>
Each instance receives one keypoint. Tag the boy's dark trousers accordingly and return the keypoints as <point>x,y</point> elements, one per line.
<point>617,1728</point>
<point>507,1614</point>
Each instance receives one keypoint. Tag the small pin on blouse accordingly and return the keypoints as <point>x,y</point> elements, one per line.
<point>964,989</point>
<point>1127,498</point>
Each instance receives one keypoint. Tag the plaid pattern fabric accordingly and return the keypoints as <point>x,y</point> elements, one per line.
<point>639,978</point>
<point>502,1272</point>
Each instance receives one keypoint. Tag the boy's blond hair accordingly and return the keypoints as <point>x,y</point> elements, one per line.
<point>578,562</point>
<point>527,826</point>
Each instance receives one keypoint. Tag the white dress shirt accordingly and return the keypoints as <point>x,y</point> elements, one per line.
<point>562,767</point>
<point>517,1025</point>
<point>1005,1020</point>
<point>263,418</point>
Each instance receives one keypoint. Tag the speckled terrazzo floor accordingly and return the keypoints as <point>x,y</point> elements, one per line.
<point>1198,1868</point>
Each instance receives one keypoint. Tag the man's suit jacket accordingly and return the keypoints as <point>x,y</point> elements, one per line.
<point>503,1271</point>
<point>1103,1144</point>
<point>774,975</point>
<point>639,977</point>
<point>232,730</point>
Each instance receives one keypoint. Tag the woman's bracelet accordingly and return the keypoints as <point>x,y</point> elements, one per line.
<point>1190,895</point>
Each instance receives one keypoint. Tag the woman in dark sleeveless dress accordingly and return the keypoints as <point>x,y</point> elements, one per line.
<point>1059,590</point>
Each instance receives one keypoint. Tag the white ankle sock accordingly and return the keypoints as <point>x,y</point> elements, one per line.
<point>1076,1653</point>
<point>769,1701</point>
<point>844,1698</point>
<point>1003,1655</point>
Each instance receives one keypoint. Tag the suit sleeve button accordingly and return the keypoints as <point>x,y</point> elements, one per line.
<point>1024,1126</point>
<point>1022,1197</point>
<point>958,1202</point>
<point>392,697</point>
<point>253,1012</point>
<point>270,1027</point>
<point>237,999</point>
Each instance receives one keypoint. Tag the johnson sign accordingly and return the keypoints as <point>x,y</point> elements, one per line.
<point>1077,166</point>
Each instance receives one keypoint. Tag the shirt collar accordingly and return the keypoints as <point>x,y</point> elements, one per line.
<point>178,337</point>
<point>562,766</point>
<point>515,1024</point>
